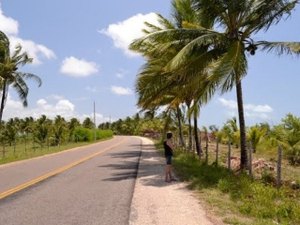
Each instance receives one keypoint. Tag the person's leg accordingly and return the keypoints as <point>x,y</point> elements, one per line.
<point>170,171</point>
<point>167,172</point>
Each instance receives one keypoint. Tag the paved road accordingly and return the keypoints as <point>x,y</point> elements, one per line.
<point>97,191</point>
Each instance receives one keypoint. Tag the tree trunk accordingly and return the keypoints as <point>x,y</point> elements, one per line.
<point>244,158</point>
<point>198,147</point>
<point>182,143</point>
<point>4,93</point>
<point>206,147</point>
<point>190,131</point>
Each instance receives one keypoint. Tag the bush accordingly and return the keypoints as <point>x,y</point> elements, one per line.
<point>293,156</point>
<point>82,134</point>
<point>103,134</point>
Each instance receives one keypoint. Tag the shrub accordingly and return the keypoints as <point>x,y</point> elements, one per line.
<point>82,134</point>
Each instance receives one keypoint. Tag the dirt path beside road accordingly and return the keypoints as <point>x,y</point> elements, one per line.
<point>156,202</point>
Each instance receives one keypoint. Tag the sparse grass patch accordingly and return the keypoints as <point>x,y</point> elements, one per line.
<point>247,201</point>
<point>19,152</point>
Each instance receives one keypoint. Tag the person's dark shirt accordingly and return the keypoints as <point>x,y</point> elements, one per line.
<point>168,149</point>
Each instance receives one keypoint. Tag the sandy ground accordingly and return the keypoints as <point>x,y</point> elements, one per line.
<point>156,202</point>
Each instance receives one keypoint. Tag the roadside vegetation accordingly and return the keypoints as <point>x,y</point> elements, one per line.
<point>203,50</point>
<point>232,194</point>
<point>27,138</point>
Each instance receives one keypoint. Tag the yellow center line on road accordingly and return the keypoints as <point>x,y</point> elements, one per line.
<point>52,173</point>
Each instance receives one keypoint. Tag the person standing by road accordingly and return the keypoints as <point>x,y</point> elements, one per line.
<point>169,148</point>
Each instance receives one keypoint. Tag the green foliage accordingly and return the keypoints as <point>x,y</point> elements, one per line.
<point>255,135</point>
<point>253,199</point>
<point>88,123</point>
<point>26,138</point>
<point>267,202</point>
<point>104,134</point>
<point>288,135</point>
<point>137,126</point>
<point>82,134</point>
<point>200,175</point>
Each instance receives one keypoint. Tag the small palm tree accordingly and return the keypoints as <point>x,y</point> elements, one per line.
<point>290,138</point>
<point>255,135</point>
<point>59,130</point>
<point>88,123</point>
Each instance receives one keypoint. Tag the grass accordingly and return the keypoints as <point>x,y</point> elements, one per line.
<point>31,151</point>
<point>236,198</point>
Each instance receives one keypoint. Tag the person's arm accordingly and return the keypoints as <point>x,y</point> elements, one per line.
<point>169,142</point>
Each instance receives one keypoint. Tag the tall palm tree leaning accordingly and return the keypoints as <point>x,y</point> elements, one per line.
<point>228,45</point>
<point>158,84</point>
<point>9,74</point>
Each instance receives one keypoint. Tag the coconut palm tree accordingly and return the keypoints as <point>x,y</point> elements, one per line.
<point>10,76</point>
<point>227,46</point>
<point>255,135</point>
<point>42,130</point>
<point>156,84</point>
<point>59,130</point>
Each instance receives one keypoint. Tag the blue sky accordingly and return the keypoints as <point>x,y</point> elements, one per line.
<point>80,52</point>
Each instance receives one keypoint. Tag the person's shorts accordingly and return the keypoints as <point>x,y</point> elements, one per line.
<point>169,159</point>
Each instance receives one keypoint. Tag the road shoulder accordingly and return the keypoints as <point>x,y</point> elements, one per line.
<point>157,202</point>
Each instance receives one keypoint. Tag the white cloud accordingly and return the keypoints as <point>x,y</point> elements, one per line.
<point>11,28</point>
<point>124,32</point>
<point>51,107</point>
<point>78,67</point>
<point>61,107</point>
<point>258,108</point>
<point>35,51</point>
<point>8,25</point>
<point>228,103</point>
<point>121,90</point>
<point>250,110</point>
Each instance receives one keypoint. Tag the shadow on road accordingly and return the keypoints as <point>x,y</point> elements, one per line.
<point>149,163</point>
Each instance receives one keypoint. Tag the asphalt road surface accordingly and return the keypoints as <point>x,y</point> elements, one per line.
<point>83,191</point>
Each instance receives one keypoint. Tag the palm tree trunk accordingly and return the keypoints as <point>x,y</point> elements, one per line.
<point>190,131</point>
<point>4,93</point>
<point>198,147</point>
<point>244,158</point>
<point>182,143</point>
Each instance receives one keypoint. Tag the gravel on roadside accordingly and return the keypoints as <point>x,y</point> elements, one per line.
<point>156,202</point>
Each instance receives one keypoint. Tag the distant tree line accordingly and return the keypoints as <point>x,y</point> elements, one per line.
<point>43,132</point>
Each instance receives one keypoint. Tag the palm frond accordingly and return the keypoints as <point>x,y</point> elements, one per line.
<point>196,46</point>
<point>231,67</point>
<point>280,47</point>
<point>34,77</point>
<point>264,13</point>
<point>21,88</point>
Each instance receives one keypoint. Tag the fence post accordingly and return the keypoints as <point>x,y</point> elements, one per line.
<point>250,159</point>
<point>217,152</point>
<point>229,155</point>
<point>279,161</point>
<point>206,147</point>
